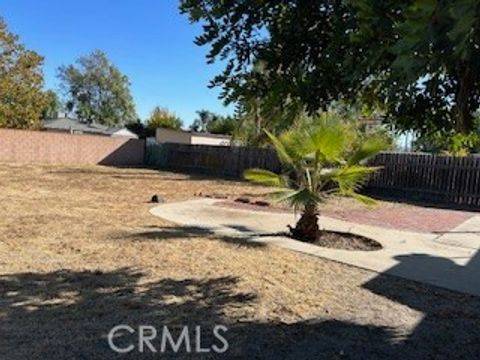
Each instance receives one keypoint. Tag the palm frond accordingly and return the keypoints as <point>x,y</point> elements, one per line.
<point>303,197</point>
<point>326,142</point>
<point>282,195</point>
<point>369,148</point>
<point>282,152</point>
<point>314,164</point>
<point>351,178</point>
<point>265,177</point>
<point>367,200</point>
<point>296,198</point>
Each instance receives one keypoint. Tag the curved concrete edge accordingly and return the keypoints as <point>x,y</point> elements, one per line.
<point>415,256</point>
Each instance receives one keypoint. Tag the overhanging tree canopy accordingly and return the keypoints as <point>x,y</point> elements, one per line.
<point>419,59</point>
<point>22,99</point>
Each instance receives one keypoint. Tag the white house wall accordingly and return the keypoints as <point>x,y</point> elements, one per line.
<point>206,140</point>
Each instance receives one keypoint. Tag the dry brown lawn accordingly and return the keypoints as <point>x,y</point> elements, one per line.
<point>80,253</point>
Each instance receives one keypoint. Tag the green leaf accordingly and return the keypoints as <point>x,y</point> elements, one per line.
<point>368,149</point>
<point>367,200</point>
<point>280,149</point>
<point>303,197</point>
<point>265,177</point>
<point>326,141</point>
<point>350,178</point>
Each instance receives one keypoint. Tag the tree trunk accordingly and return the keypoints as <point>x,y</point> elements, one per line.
<point>463,107</point>
<point>307,228</point>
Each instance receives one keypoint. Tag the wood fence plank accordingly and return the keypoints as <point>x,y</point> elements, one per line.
<point>427,177</point>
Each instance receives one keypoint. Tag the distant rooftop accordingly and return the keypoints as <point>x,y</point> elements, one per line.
<point>195,133</point>
<point>76,126</point>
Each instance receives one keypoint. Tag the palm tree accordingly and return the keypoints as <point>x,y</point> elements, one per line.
<point>318,161</point>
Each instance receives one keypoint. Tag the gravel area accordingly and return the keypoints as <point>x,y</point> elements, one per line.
<point>79,254</point>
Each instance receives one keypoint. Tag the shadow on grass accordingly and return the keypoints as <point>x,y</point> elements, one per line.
<point>159,233</point>
<point>68,314</point>
<point>138,174</point>
<point>449,328</point>
<point>166,175</point>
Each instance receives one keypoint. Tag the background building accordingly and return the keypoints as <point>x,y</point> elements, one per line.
<point>189,137</point>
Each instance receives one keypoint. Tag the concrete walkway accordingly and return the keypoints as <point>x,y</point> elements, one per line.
<point>465,235</point>
<point>450,260</point>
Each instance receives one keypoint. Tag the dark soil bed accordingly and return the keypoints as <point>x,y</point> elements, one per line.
<point>339,240</point>
<point>346,241</point>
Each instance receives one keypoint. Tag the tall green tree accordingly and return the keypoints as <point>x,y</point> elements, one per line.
<point>204,118</point>
<point>211,122</point>
<point>97,91</point>
<point>140,128</point>
<point>22,99</point>
<point>53,105</point>
<point>418,59</point>
<point>225,125</point>
<point>163,118</point>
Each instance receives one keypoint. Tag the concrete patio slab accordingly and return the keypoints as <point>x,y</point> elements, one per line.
<point>423,257</point>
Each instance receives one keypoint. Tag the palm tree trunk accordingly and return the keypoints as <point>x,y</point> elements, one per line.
<point>307,228</point>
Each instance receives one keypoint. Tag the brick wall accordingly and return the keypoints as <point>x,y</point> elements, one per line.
<point>24,146</point>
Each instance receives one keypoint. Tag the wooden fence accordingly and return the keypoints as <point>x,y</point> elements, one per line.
<point>447,180</point>
<point>428,178</point>
<point>212,160</point>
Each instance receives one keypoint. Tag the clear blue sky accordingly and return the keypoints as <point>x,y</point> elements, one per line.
<point>147,39</point>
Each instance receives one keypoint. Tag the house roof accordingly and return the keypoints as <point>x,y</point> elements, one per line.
<point>67,124</point>
<point>195,133</point>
